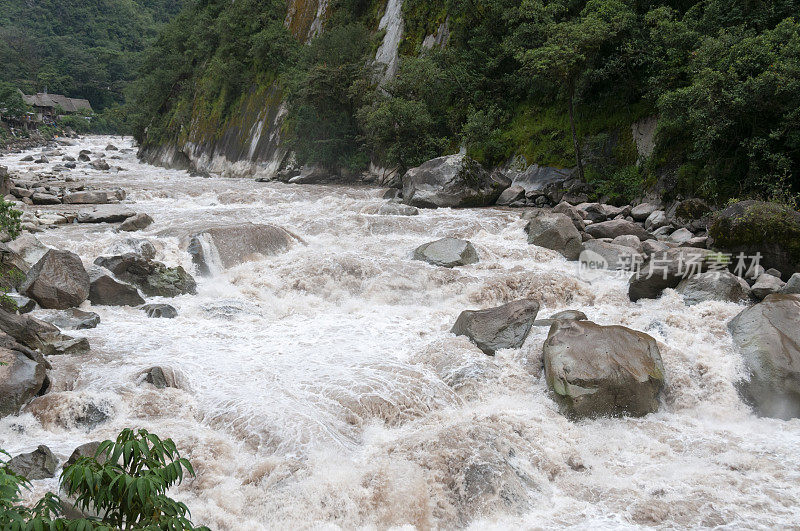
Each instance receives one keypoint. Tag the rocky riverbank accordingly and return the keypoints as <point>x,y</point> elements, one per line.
<point>501,363</point>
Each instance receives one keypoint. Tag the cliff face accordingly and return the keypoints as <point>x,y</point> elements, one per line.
<point>250,142</point>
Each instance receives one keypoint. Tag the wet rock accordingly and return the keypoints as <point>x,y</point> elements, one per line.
<point>643,211</point>
<point>104,290</point>
<point>58,281</point>
<point>713,286</point>
<point>29,331</point>
<point>138,246</point>
<point>73,319</point>
<point>768,337</point>
<point>452,181</point>
<point>511,195</point>
<point>572,213</point>
<point>161,378</point>
<point>617,227</point>
<point>666,270</point>
<point>111,147</point>
<point>615,257</point>
<point>505,326</point>
<point>27,158</point>
<point>656,220</point>
<point>42,160</point>
<point>107,214</point>
<point>160,311</point>
<point>153,278</point>
<point>84,157</point>
<point>751,227</point>
<point>66,346</point>
<point>40,198</point>
<point>566,315</point>
<point>554,231</point>
<point>391,209</point>
<point>21,379</point>
<point>595,370</point>
<point>231,245</point>
<point>766,284</point>
<point>447,252</point>
<point>793,285</point>
<point>39,464</point>
<point>27,250</point>
<point>100,165</point>
<point>85,450</point>
<point>86,198</point>
<point>137,222</point>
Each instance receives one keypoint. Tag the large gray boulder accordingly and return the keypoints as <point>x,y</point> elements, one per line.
<point>768,337</point>
<point>29,331</point>
<point>106,214</point>
<point>616,257</point>
<point>21,378</point>
<point>73,319</point>
<point>452,181</point>
<point>58,281</point>
<point>766,284</point>
<point>447,252</point>
<point>666,270</point>
<point>230,245</point>
<point>713,286</point>
<point>595,370</point>
<point>505,326</point>
<point>792,285</point>
<point>617,227</point>
<point>104,290</point>
<point>642,212</point>
<point>38,464</point>
<point>153,278</point>
<point>554,231</point>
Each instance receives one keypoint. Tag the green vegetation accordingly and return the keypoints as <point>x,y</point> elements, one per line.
<point>559,82</point>
<point>124,482</point>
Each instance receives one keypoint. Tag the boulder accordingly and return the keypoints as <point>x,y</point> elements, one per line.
<point>766,284</point>
<point>768,337</point>
<point>656,220</point>
<point>692,213</point>
<point>107,214</point>
<point>447,252</point>
<point>713,286</point>
<point>160,311</point>
<point>616,257</point>
<point>28,249</point>
<point>599,212</point>
<point>86,198</point>
<point>137,222</point>
<point>643,211</point>
<point>100,165</point>
<point>38,464</point>
<point>566,315</point>
<point>555,231</point>
<point>230,245</point>
<point>21,379</point>
<point>42,160</point>
<point>138,246</point>
<point>666,270</point>
<point>397,209</point>
<point>572,213</point>
<point>511,195</point>
<point>680,236</point>
<point>153,278</point>
<point>84,157</point>
<point>628,240</point>
<point>543,181</point>
<point>67,346</point>
<point>104,290</point>
<point>29,331</point>
<point>111,147</point>
<point>617,227</point>
<point>452,181</point>
<point>751,227</point>
<point>85,450</point>
<point>73,319</point>
<point>5,182</point>
<point>161,378</point>
<point>505,326</point>
<point>792,285</point>
<point>58,281</point>
<point>41,198</point>
<point>595,370</point>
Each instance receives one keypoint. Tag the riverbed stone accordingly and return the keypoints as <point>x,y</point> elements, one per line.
<point>104,290</point>
<point>556,231</point>
<point>21,379</point>
<point>88,449</point>
<point>595,370</point>
<point>768,337</point>
<point>38,464</point>
<point>137,222</point>
<point>235,244</point>
<point>492,329</point>
<point>58,281</point>
<point>160,310</point>
<point>642,212</point>
<point>666,270</point>
<point>618,227</point>
<point>452,181</point>
<point>153,278</point>
<point>766,284</point>
<point>447,252</point>
<point>105,214</point>
<point>616,257</point>
<point>73,319</point>
<point>792,285</point>
<point>713,286</point>
<point>86,198</point>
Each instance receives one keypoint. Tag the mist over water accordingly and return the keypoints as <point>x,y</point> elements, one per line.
<point>321,387</point>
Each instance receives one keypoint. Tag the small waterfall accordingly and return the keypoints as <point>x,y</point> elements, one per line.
<point>205,255</point>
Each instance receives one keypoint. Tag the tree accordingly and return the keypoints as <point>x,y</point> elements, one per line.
<point>125,482</point>
<point>11,102</point>
<point>574,46</point>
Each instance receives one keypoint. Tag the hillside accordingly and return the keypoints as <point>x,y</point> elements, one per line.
<point>84,49</point>
<point>556,82</point>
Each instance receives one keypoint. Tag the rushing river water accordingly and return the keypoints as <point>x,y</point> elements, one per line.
<point>321,387</point>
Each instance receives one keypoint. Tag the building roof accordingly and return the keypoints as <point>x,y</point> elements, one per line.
<point>54,100</point>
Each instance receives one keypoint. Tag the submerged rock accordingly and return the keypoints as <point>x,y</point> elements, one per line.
<point>505,326</point>
<point>57,281</point>
<point>447,252</point>
<point>768,337</point>
<point>160,311</point>
<point>596,370</point>
<point>554,231</point>
<point>452,181</point>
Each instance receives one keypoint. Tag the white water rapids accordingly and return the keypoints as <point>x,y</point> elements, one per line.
<point>322,387</point>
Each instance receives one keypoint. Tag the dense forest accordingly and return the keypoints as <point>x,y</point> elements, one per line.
<point>84,49</point>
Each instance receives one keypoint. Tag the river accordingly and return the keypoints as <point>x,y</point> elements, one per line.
<point>322,388</point>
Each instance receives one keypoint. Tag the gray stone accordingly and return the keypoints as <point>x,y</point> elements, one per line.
<point>505,326</point>
<point>153,278</point>
<point>614,256</point>
<point>768,337</point>
<point>511,195</point>
<point>231,245</point>
<point>666,270</point>
<point>85,450</point>
<point>160,311</point>
<point>681,236</point>
<point>629,240</point>
<point>40,198</point>
<point>21,378</point>
<point>100,165</point>
<point>104,290</point>
<point>643,211</point>
<point>555,231</point>
<point>106,214</point>
<point>39,464</point>
<point>713,286</point>
<point>793,284</point>
<point>774,272</point>
<point>572,213</point>
<point>595,370</point>
<point>766,284</point>
<point>73,319</point>
<point>566,315</point>
<point>451,181</point>
<point>86,198</point>
<point>58,281</point>
<point>656,220</point>
<point>137,222</point>
<point>617,227</point>
<point>447,252</point>
<point>138,246</point>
